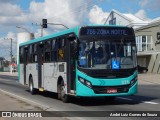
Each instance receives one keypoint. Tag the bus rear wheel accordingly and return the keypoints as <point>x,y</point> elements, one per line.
<point>62,95</point>
<point>31,86</point>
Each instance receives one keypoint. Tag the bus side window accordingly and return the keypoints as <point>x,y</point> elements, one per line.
<point>55,46</point>
<point>35,53</point>
<point>53,51</point>
<point>61,49</point>
<point>47,51</point>
<point>30,53</point>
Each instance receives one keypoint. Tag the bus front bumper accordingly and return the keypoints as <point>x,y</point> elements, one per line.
<point>84,91</point>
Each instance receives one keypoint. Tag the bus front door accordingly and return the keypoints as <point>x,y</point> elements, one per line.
<point>40,63</point>
<point>72,65</point>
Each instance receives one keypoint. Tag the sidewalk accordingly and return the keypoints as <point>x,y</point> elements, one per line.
<point>149,77</point>
<point>11,103</point>
<point>8,103</point>
<point>9,73</point>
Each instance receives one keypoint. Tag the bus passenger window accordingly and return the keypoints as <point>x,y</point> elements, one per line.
<point>21,55</point>
<point>47,51</point>
<point>30,53</point>
<point>54,49</point>
<point>60,54</point>
<point>35,53</point>
<point>61,50</point>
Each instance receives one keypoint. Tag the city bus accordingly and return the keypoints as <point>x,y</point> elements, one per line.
<point>86,61</point>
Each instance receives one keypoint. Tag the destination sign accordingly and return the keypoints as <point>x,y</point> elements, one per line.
<point>105,31</point>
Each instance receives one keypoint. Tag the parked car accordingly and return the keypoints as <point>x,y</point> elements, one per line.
<point>142,69</point>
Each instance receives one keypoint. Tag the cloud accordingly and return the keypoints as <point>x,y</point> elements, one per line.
<point>143,3</point>
<point>97,15</point>
<point>38,33</point>
<point>68,12</point>
<point>13,16</point>
<point>151,5</point>
<point>6,1</point>
<point>142,15</point>
<point>12,10</point>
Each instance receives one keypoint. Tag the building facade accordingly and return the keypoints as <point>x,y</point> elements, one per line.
<point>117,18</point>
<point>148,46</point>
<point>147,38</point>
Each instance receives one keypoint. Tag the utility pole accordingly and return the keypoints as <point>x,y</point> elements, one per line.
<point>41,26</point>
<point>11,50</point>
<point>10,53</point>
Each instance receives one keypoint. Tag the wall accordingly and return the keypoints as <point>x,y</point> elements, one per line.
<point>154,60</point>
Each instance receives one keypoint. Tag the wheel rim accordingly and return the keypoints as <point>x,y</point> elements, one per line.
<point>62,91</point>
<point>31,87</point>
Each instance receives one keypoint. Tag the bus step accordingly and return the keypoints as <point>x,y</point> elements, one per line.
<point>71,94</point>
<point>41,89</point>
<point>72,91</point>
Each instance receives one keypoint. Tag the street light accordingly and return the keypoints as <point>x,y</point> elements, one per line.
<point>22,28</point>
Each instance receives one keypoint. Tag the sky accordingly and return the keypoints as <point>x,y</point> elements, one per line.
<point>29,14</point>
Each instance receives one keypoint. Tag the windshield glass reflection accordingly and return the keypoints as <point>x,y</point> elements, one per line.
<point>101,54</point>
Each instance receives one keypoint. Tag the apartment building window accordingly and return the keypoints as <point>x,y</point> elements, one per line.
<point>144,43</point>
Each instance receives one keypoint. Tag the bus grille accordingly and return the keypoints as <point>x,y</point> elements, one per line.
<point>103,89</point>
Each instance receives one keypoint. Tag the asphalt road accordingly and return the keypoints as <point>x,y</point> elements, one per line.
<point>147,99</point>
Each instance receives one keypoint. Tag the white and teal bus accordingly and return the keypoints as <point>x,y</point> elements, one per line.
<point>88,61</point>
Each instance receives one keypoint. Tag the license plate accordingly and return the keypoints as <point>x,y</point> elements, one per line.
<point>112,90</point>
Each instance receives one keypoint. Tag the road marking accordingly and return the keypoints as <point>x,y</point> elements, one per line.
<point>124,98</point>
<point>153,103</point>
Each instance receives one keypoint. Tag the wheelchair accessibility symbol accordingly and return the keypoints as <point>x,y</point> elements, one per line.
<point>115,65</point>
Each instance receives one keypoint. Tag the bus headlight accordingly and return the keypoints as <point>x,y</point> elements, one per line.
<point>85,82</point>
<point>133,81</point>
<point>81,80</point>
<point>88,84</point>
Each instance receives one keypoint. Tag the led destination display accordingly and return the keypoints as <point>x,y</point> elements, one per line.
<point>105,31</point>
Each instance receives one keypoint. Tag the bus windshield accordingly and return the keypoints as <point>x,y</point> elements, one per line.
<point>100,54</point>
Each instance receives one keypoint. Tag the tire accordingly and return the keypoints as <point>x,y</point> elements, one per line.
<point>31,86</point>
<point>63,96</point>
<point>59,92</point>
